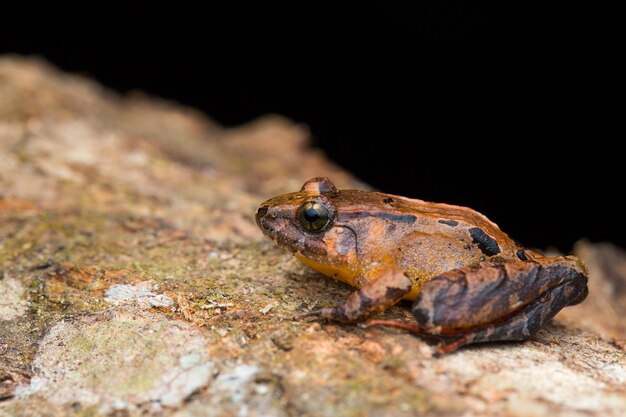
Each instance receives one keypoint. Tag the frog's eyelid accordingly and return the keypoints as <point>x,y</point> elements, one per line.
<point>323,201</point>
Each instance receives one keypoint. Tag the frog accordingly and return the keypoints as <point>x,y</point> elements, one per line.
<point>468,281</point>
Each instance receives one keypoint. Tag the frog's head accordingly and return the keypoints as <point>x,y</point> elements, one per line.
<point>305,223</point>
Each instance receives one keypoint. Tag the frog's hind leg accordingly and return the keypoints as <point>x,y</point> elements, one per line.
<point>522,324</point>
<point>498,302</point>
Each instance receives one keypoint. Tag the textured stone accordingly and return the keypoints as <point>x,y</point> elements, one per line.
<point>119,357</point>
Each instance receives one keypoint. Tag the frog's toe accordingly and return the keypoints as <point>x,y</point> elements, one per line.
<point>409,327</point>
<point>333,313</point>
<point>303,315</point>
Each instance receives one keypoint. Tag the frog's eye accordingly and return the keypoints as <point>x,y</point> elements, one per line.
<point>313,216</point>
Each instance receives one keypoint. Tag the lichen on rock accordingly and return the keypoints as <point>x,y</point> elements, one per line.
<point>12,302</point>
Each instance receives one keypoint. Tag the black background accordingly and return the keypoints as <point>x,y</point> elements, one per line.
<point>443,101</point>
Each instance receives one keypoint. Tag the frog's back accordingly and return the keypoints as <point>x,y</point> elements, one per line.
<point>460,221</point>
<point>425,217</point>
<point>426,239</point>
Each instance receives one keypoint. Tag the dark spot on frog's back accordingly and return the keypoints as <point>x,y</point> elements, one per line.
<point>405,218</point>
<point>388,200</point>
<point>485,243</point>
<point>451,223</point>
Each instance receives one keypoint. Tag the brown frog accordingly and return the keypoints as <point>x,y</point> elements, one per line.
<point>469,282</point>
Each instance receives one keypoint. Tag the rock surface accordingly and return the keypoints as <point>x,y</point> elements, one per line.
<point>133,281</point>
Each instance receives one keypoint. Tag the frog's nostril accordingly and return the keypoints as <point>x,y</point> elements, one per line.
<point>261,212</point>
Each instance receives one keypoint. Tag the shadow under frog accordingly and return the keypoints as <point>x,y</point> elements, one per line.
<point>469,282</point>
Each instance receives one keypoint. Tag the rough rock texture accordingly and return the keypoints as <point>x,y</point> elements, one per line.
<point>133,281</point>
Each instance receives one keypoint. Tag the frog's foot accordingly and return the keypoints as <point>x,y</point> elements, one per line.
<point>498,302</point>
<point>374,297</point>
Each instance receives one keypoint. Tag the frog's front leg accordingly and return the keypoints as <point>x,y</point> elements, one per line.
<point>374,297</point>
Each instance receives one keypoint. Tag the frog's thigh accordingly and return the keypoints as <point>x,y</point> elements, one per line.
<point>516,294</point>
<point>525,323</point>
<point>375,296</point>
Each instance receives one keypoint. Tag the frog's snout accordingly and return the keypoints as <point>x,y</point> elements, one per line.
<point>265,219</point>
<point>260,217</point>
